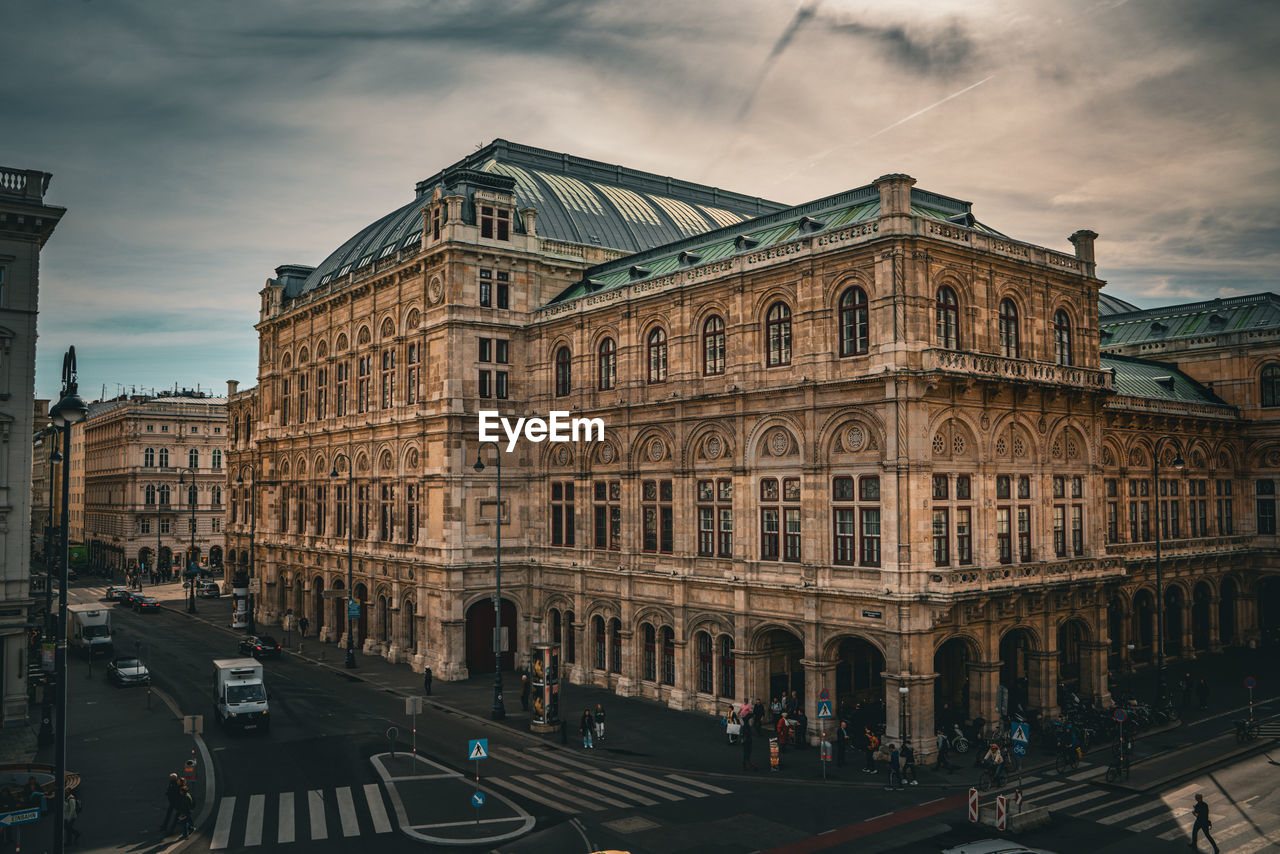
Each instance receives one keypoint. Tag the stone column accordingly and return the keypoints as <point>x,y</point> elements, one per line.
<point>1215,628</point>
<point>393,649</point>
<point>682,693</point>
<point>627,680</point>
<point>918,707</point>
<point>984,676</point>
<point>451,658</point>
<point>1042,692</point>
<point>1248,632</point>
<point>1188,617</point>
<point>817,676</point>
<point>1093,672</point>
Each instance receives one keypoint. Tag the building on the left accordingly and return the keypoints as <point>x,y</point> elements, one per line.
<point>26,224</point>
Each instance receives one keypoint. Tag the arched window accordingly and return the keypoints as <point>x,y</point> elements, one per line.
<point>1061,338</point>
<point>193,458</point>
<point>164,494</point>
<point>650,653</point>
<point>608,364</point>
<point>713,346</point>
<point>150,494</point>
<point>1008,329</point>
<point>778,334</point>
<point>658,356</point>
<point>854,334</point>
<point>564,373</point>
<point>948,319</point>
<point>668,656</point>
<point>164,458</point>
<point>706,666</point>
<point>191,495</point>
<point>728,682</point>
<point>615,645</point>
<point>600,661</point>
<point>570,639</point>
<point>215,496</point>
<point>217,458</point>
<point>1271,385</point>
<point>149,458</point>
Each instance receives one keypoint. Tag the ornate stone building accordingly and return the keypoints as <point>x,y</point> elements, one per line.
<point>866,443</point>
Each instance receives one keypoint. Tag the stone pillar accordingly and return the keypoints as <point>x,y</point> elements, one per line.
<point>1083,242</point>
<point>579,673</point>
<point>682,693</point>
<point>984,676</point>
<point>1215,628</point>
<point>627,680</point>
<point>393,649</point>
<point>817,676</point>
<point>1042,692</point>
<point>914,711</point>
<point>1248,631</point>
<point>1188,616</point>
<point>1093,672</point>
<point>451,658</point>
<point>751,679</point>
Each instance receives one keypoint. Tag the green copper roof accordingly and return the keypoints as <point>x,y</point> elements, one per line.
<point>1190,320</point>
<point>1156,381</point>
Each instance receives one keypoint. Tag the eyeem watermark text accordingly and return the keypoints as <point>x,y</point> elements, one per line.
<point>557,427</point>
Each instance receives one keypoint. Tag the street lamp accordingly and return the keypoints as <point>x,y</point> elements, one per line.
<point>1161,687</point>
<point>499,711</point>
<point>1130,648</point>
<point>253,524</point>
<point>191,553</point>
<point>46,702</point>
<point>69,410</point>
<point>902,703</point>
<point>351,649</point>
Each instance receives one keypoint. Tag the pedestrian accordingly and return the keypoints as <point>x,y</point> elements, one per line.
<point>303,622</point>
<point>775,709</point>
<point>185,805</point>
<point>842,743</point>
<point>745,739</point>
<point>525,688</point>
<point>757,716</point>
<point>869,746</point>
<point>1202,824</point>
<point>1202,693</point>
<point>599,721</point>
<point>793,704</point>
<point>895,769</point>
<point>1184,687</point>
<point>909,764</point>
<point>171,798</point>
<point>70,812</point>
<point>587,727</point>
<point>426,680</point>
<point>944,747</point>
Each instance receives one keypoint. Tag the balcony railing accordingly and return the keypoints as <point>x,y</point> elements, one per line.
<point>998,367</point>
<point>1023,575</point>
<point>1181,547</point>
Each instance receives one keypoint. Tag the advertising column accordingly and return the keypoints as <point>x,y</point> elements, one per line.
<point>545,687</point>
<point>240,600</point>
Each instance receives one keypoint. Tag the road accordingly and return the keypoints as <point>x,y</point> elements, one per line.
<point>309,783</point>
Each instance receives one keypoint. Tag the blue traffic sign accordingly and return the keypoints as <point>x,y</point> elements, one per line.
<point>26,816</point>
<point>824,709</point>
<point>1119,715</point>
<point>824,694</point>
<point>1020,734</point>
<point>1250,682</point>
<point>478,748</point>
<point>477,799</point>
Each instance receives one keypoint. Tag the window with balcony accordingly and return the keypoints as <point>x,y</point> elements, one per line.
<point>1266,505</point>
<point>1008,329</point>
<point>947,319</point>
<point>607,360</point>
<point>657,347</point>
<point>1062,338</point>
<point>564,372</point>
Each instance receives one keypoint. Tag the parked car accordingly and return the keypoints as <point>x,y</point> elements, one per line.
<point>145,603</point>
<point>128,671</point>
<point>114,593</point>
<point>125,597</point>
<point>208,589</point>
<point>259,646</point>
<point>994,846</point>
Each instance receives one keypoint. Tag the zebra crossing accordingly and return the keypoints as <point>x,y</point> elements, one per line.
<point>1238,828</point>
<point>309,816</point>
<point>573,786</point>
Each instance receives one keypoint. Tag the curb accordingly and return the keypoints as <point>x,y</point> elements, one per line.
<point>210,786</point>
<point>1258,746</point>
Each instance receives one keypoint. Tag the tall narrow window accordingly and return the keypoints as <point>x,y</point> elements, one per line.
<point>658,356</point>
<point>562,521</point>
<point>778,334</point>
<point>341,498</point>
<point>615,645</point>
<point>362,510</point>
<point>343,372</point>
<point>149,458</point>
<point>388,377</point>
<point>715,518</point>
<point>303,399</point>
<point>164,458</point>
<point>713,346</point>
<point>503,288</point>
<point>1061,338</point>
<point>780,531</point>
<point>668,656</point>
<point>1271,385</point>
<point>657,519</point>
<point>728,678</point>
<point>854,330</point>
<point>193,458</point>
<point>486,289</point>
<point>150,494</point>
<point>608,360</point>
<point>386,501</point>
<point>284,401</point>
<point>706,667</point>
<point>601,644</point>
<point>947,318</point>
<point>564,372</point>
<point>1226,524</point>
<point>607,508</point>
<point>1004,542</point>
<point>411,511</point>
<point>217,458</point>
<point>364,370</point>
<point>941,537</point>
<point>412,358</point>
<point>321,508</point>
<point>1008,329</point>
<point>650,653</point>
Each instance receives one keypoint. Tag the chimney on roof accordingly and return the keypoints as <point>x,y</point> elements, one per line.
<point>232,387</point>
<point>529,216</point>
<point>1082,240</point>
<point>895,200</point>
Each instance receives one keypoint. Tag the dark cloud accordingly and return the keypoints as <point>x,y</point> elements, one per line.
<point>803,14</point>
<point>923,50</point>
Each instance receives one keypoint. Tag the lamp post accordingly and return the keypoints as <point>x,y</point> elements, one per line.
<point>192,494</point>
<point>49,434</point>
<point>156,560</point>
<point>1130,647</point>
<point>903,732</point>
<point>253,525</point>
<point>351,649</point>
<point>1161,687</point>
<point>70,409</point>
<point>498,712</point>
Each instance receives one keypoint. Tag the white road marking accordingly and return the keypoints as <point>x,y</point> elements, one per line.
<point>222,829</point>
<point>525,791</point>
<point>285,833</point>
<point>560,783</point>
<point>253,824</point>
<point>592,781</point>
<point>315,806</point>
<point>715,790</point>
<point>377,809</point>
<point>652,782</point>
<point>347,812</point>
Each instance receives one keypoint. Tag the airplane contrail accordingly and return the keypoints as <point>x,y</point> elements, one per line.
<point>803,13</point>
<point>928,108</point>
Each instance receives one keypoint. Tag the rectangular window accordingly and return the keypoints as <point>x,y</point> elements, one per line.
<point>1024,486</point>
<point>940,484</point>
<point>284,401</point>
<point>1266,506</point>
<point>486,349</point>
<point>386,501</point>
<point>343,372</point>
<point>340,520</point>
<point>1002,487</point>
<point>941,535</point>
<point>411,375</point>
<point>964,537</point>
<point>485,390</point>
<point>500,385</point>
<point>1110,485</point>
<point>715,518</point>
<point>1059,486</point>
<point>608,514</point>
<point>1059,528</point>
<point>962,487</point>
<point>164,526</point>
<point>411,511</point>
<point>486,289</point>
<point>845,548</point>
<point>364,368</point>
<point>501,348</point>
<point>145,526</point>
<point>321,502</point>
<point>1133,522</point>
<point>363,494</point>
<point>791,530</point>
<point>562,528</point>
<point>1226,527</point>
<point>1024,534</point>
<point>495,223</point>
<point>504,289</point>
<point>780,535</point>
<point>870,536</point>
<point>1004,542</point>
<point>656,515</point>
<point>1144,518</point>
<point>388,378</point>
<point>302,398</point>
<point>769,533</point>
<point>1077,487</point>
<point>1077,530</point>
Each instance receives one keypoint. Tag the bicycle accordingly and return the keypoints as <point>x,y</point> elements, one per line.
<point>1068,759</point>
<point>1246,730</point>
<point>1119,764</point>
<point>990,778</point>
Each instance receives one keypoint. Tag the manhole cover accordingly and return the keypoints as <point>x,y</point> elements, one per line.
<point>633,824</point>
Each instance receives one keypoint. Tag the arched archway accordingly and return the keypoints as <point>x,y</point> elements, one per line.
<point>215,556</point>
<point>1015,666</point>
<point>1227,595</point>
<point>859,683</point>
<point>384,620</point>
<point>1173,621</point>
<point>1269,611</point>
<point>783,672</point>
<point>317,606</point>
<point>1201,602</point>
<point>480,625</point>
<point>144,560</point>
<point>1071,637</point>
<point>951,688</point>
<point>1144,625</point>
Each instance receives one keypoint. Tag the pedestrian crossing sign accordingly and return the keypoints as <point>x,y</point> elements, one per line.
<point>1020,735</point>
<point>824,709</point>
<point>478,748</point>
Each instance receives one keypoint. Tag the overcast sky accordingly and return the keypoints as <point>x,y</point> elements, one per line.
<point>199,146</point>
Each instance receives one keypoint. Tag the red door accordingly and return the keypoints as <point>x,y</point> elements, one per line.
<point>480,636</point>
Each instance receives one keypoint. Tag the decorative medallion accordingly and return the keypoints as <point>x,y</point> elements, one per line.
<point>657,450</point>
<point>562,456</point>
<point>854,439</point>
<point>1224,460</point>
<point>1042,425</point>
<point>1056,450</point>
<point>606,453</point>
<point>1019,447</point>
<point>957,444</point>
<point>1197,460</point>
<point>435,291</point>
<point>939,444</point>
<point>1135,457</point>
<point>413,459</point>
<point>779,442</point>
<point>985,422</point>
<point>1002,447</point>
<point>1073,450</point>
<point>712,448</point>
<point>1273,459</point>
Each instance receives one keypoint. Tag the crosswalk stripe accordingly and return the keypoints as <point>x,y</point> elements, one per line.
<point>565,796</point>
<point>1264,828</point>
<point>506,757</point>
<point>222,828</point>
<point>1051,787</point>
<point>1085,774</point>
<point>1079,799</point>
<point>558,806</point>
<point>651,782</point>
<point>592,781</point>
<point>315,806</point>
<point>562,784</point>
<point>347,812</point>
<point>1141,808</point>
<point>649,788</point>
<point>377,809</point>
<point>1156,821</point>
<point>715,790</point>
<point>1105,804</point>
<point>285,833</point>
<point>553,758</point>
<point>253,824</point>
<point>1255,845</point>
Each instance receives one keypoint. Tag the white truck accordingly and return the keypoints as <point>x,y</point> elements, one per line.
<point>89,629</point>
<point>239,694</point>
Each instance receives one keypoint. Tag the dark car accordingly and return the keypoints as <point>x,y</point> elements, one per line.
<point>259,646</point>
<point>114,593</point>
<point>127,670</point>
<point>125,596</point>
<point>144,603</point>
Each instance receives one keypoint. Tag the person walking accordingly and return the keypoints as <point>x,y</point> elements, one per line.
<point>1202,824</point>
<point>587,727</point>
<point>909,765</point>
<point>525,688</point>
<point>1184,688</point>
<point>757,715</point>
<point>71,812</point>
<point>944,748</point>
<point>426,680</point>
<point>303,622</point>
<point>869,746</point>
<point>1202,694</point>
<point>599,722</point>
<point>171,798</point>
<point>185,805</point>
<point>745,740</point>
<point>842,743</point>
<point>895,769</point>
